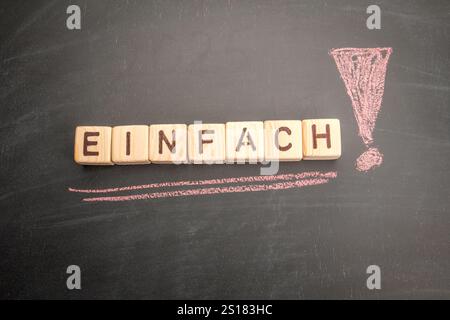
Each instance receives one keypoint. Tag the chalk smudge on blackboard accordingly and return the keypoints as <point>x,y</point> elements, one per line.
<point>363,71</point>
<point>286,181</point>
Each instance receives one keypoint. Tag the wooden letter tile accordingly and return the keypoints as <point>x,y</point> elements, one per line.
<point>130,144</point>
<point>93,145</point>
<point>321,139</point>
<point>206,143</point>
<point>283,140</point>
<point>245,142</point>
<point>168,143</point>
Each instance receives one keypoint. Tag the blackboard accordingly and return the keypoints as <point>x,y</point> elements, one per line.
<point>148,62</point>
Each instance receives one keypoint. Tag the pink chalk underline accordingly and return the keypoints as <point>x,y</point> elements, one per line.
<point>217,190</point>
<point>285,177</point>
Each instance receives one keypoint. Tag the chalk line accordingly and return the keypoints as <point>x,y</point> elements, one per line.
<point>211,191</point>
<point>285,177</point>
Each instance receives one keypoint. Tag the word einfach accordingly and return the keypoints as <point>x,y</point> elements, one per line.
<point>199,143</point>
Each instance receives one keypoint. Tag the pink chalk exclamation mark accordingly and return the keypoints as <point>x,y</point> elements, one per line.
<point>363,71</point>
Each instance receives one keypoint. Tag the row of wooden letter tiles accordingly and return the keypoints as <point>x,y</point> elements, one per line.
<point>233,142</point>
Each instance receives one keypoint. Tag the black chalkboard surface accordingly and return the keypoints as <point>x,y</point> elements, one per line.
<point>148,62</point>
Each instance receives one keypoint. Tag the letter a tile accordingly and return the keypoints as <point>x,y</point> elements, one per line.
<point>245,142</point>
